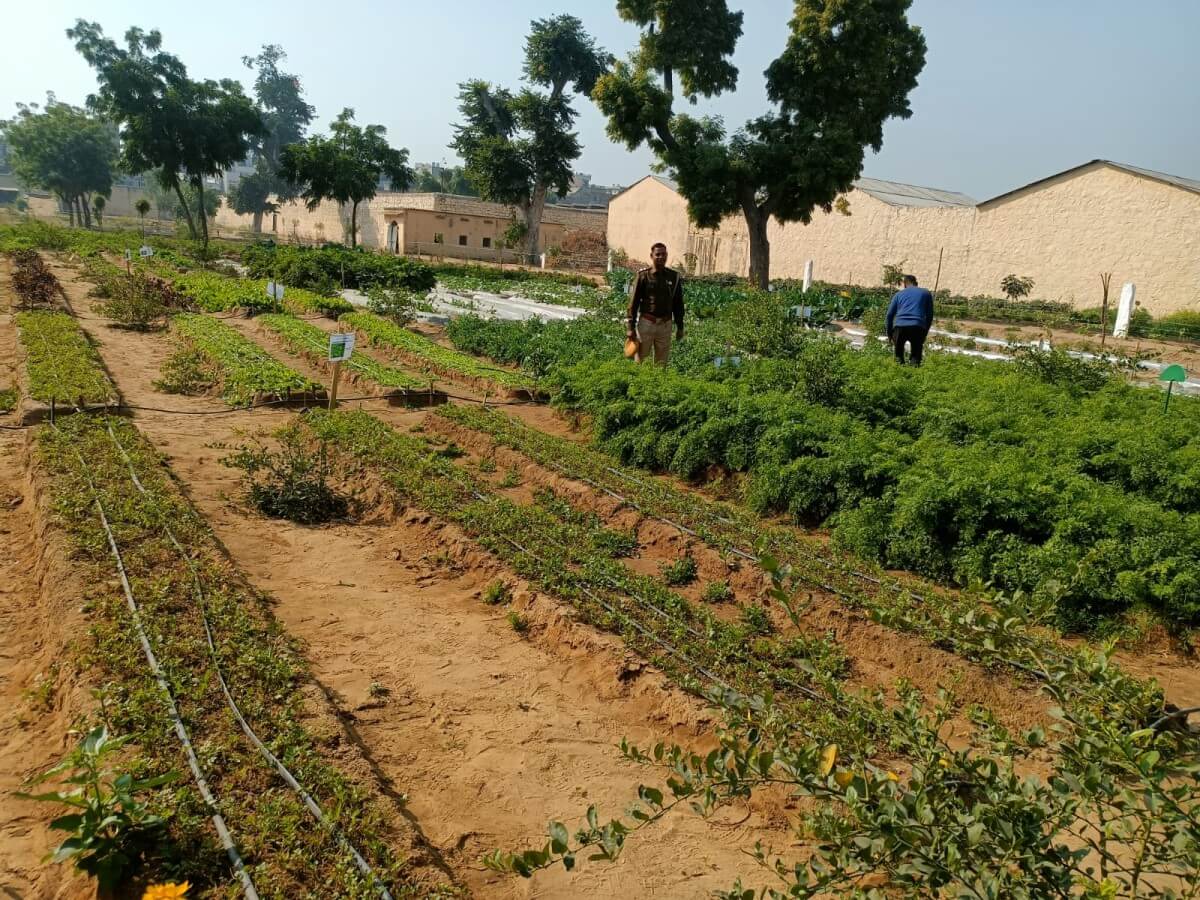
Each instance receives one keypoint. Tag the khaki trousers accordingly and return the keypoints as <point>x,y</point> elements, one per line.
<point>654,338</point>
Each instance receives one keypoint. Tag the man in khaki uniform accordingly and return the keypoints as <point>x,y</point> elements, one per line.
<point>655,301</point>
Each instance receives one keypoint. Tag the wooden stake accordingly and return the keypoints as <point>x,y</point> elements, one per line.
<point>337,371</point>
<point>938,276</point>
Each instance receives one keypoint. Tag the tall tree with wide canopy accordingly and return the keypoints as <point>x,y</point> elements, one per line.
<point>849,65</point>
<point>519,147</point>
<point>286,116</point>
<point>187,130</point>
<point>345,167</point>
<point>65,150</point>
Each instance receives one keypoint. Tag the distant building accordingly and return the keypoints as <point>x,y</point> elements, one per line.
<point>1062,231</point>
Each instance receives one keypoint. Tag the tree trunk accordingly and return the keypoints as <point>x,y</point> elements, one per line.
<point>85,212</point>
<point>354,225</point>
<point>202,214</point>
<point>533,221</point>
<point>70,209</point>
<point>760,247</point>
<point>258,217</point>
<point>187,213</point>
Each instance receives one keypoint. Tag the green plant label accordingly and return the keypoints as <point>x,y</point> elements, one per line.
<point>1173,372</point>
<point>340,347</point>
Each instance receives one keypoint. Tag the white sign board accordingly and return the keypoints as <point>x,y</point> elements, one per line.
<point>274,290</point>
<point>808,267</point>
<point>340,347</point>
<point>145,251</point>
<point>128,255</point>
<point>1124,310</point>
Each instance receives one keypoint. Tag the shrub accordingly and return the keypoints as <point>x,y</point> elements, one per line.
<point>1016,286</point>
<point>497,592</point>
<point>398,305</point>
<point>291,482</point>
<point>717,592</point>
<point>333,266</point>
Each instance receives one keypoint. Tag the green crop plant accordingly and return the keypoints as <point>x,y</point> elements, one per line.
<point>517,622</point>
<point>679,572</point>
<point>291,482</point>
<point>8,400</point>
<point>313,343</point>
<point>497,592</point>
<point>247,372</point>
<point>717,592</point>
<point>85,463</point>
<point>384,333</point>
<point>109,826</point>
<point>62,364</point>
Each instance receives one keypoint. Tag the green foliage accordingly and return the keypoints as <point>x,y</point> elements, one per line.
<point>842,74</point>
<point>334,266</point>
<point>109,826</point>
<point>717,592</point>
<point>518,147</point>
<point>138,301</point>
<point>213,292</point>
<point>247,372</point>
<point>345,167</point>
<point>169,122</point>
<point>497,592</point>
<point>189,370</point>
<point>1049,477</point>
<point>62,149</point>
<point>292,482</point>
<point>446,180</point>
<point>1076,376</point>
<point>8,400</point>
<point>1015,286</point>
<point>893,274</point>
<point>62,364</point>
<point>399,306</point>
<point>312,342</point>
<point>387,334</point>
<point>680,572</point>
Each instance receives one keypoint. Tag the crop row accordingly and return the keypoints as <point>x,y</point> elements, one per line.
<point>1001,631</point>
<point>1102,769</point>
<point>384,333</point>
<point>285,852</point>
<point>572,558</point>
<point>247,372</point>
<point>313,343</point>
<point>34,283</point>
<point>62,364</point>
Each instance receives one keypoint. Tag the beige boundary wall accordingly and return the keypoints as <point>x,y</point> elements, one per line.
<point>419,219</point>
<point>1062,232</point>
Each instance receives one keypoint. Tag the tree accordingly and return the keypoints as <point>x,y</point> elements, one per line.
<point>286,116</point>
<point>1015,287</point>
<point>98,203</point>
<point>181,127</point>
<point>848,66</point>
<point>142,207</point>
<point>447,180</point>
<point>65,150</point>
<point>519,147</point>
<point>346,166</point>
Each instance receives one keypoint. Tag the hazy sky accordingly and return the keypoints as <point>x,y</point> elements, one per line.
<point>1013,90</point>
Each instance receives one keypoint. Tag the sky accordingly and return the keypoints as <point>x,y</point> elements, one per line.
<point>1012,91</point>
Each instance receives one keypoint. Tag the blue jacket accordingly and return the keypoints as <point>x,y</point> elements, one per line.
<point>911,306</point>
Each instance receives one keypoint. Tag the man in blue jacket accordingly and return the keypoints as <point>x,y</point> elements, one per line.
<point>909,318</point>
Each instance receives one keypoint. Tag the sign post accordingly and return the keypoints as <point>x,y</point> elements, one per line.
<point>1170,375</point>
<point>146,251</point>
<point>128,260</point>
<point>340,348</point>
<point>275,290</point>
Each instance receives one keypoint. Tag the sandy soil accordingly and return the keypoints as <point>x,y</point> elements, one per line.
<point>525,728</point>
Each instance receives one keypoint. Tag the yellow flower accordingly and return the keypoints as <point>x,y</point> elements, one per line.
<point>943,762</point>
<point>892,776</point>
<point>843,779</point>
<point>845,294</point>
<point>169,891</point>
<point>828,758</point>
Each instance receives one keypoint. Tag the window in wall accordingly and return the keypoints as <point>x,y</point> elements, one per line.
<point>487,242</point>
<point>438,238</point>
<point>462,240</point>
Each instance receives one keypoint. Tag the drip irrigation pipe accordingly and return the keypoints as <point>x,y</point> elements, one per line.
<point>288,778</point>
<point>180,729</point>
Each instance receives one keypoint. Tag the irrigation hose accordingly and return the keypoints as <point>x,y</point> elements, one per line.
<point>159,676</point>
<point>290,779</point>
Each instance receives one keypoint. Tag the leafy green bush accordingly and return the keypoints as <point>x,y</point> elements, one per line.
<point>333,266</point>
<point>680,572</point>
<point>291,482</point>
<point>717,592</point>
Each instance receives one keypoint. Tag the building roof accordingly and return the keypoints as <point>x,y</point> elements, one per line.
<point>1187,184</point>
<point>898,194</point>
<point>593,220</point>
<point>590,196</point>
<point>891,192</point>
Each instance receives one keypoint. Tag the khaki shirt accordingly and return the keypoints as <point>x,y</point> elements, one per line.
<point>659,294</point>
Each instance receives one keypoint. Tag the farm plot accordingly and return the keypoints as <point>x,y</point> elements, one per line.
<point>218,645</point>
<point>421,351</point>
<point>62,365</point>
<point>311,342</point>
<point>243,372</point>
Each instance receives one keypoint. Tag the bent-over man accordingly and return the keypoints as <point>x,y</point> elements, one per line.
<point>655,301</point>
<point>909,318</point>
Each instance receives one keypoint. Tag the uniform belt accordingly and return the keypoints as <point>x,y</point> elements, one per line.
<point>652,318</point>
